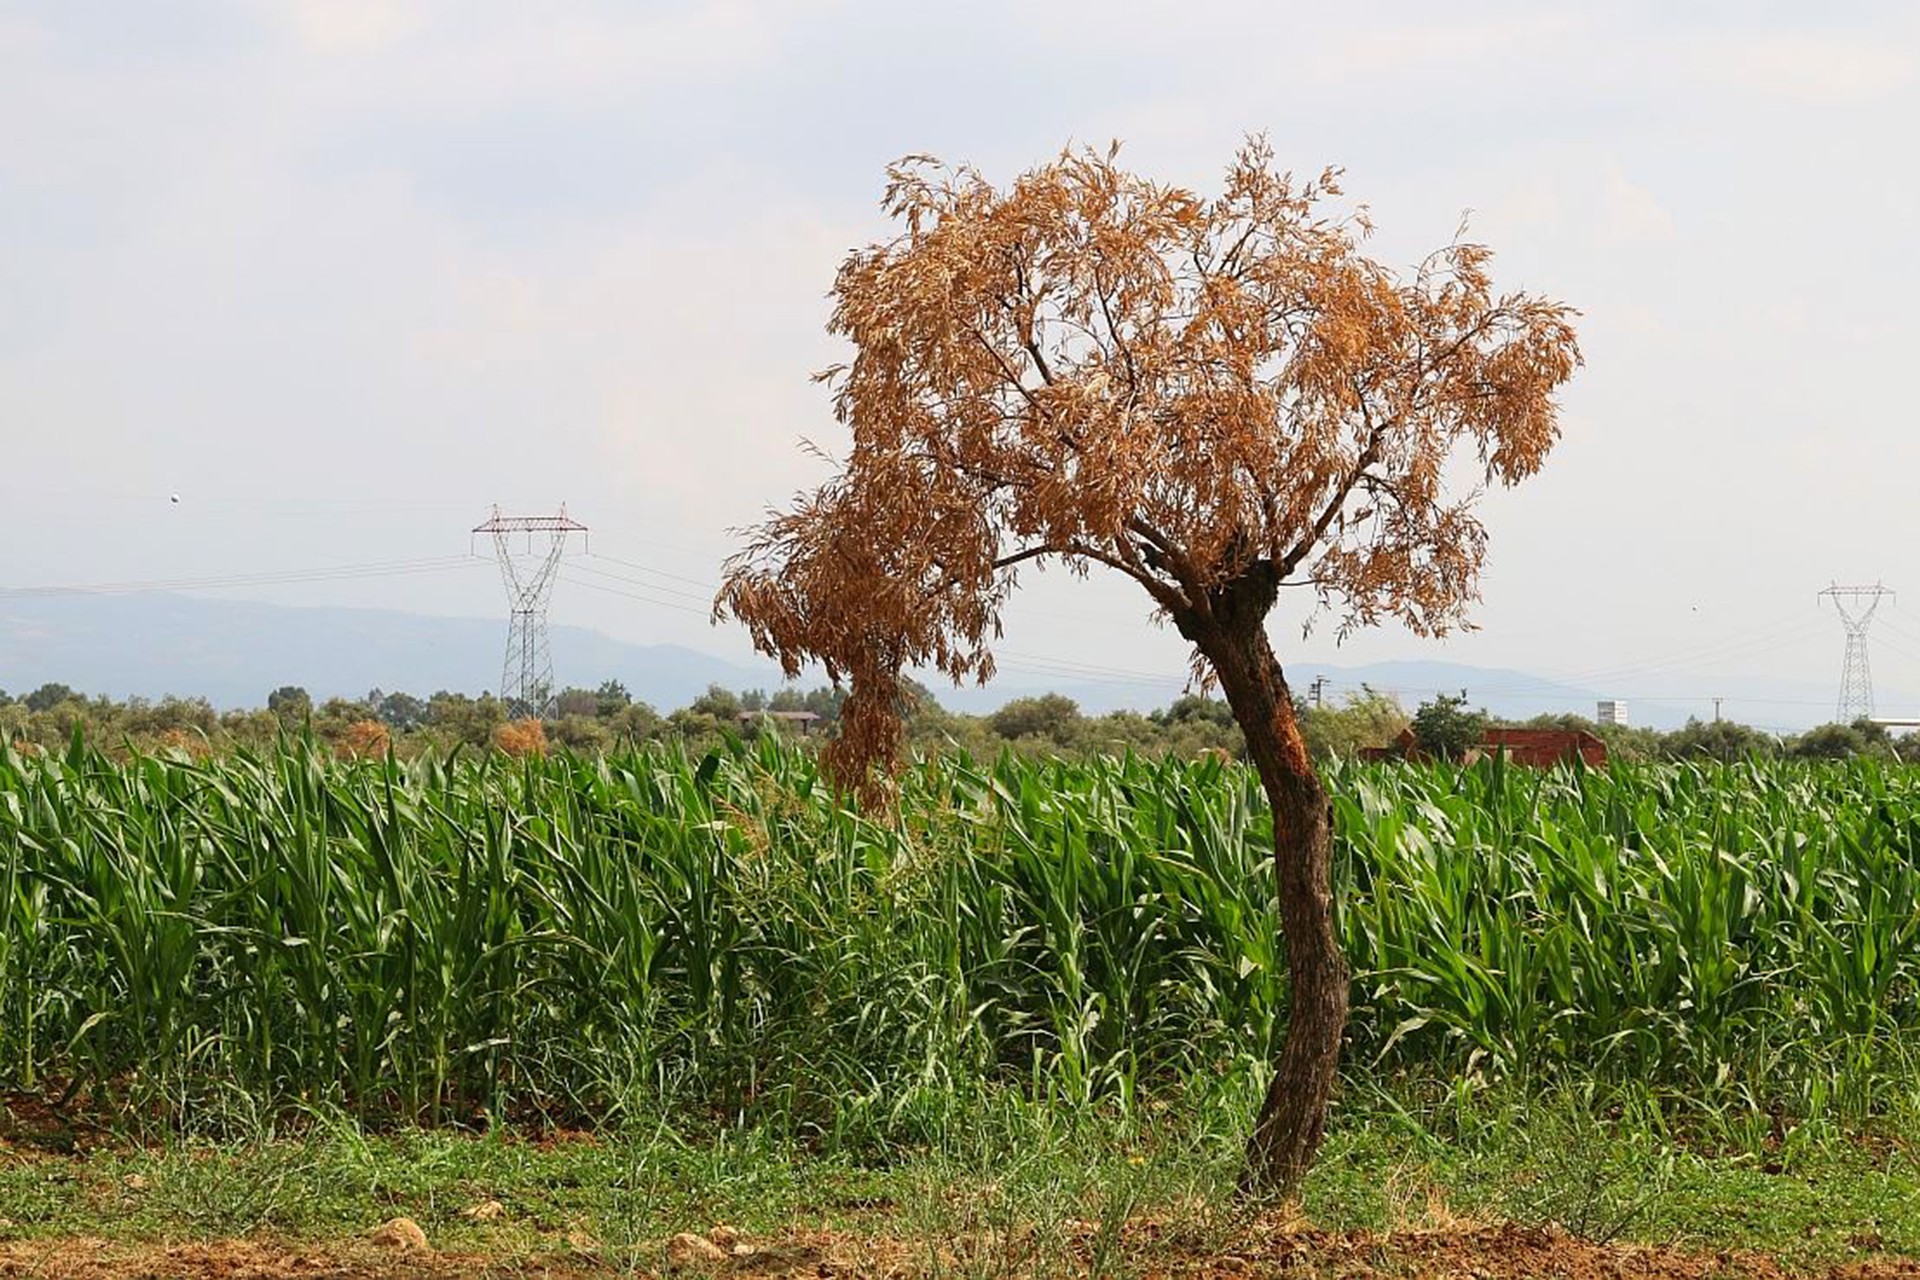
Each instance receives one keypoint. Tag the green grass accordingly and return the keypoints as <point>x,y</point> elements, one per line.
<point>1017,1189</point>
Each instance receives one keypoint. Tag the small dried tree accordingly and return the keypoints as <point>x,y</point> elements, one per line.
<point>1218,398</point>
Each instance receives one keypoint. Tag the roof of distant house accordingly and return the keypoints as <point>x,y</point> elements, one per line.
<point>1545,746</point>
<point>1522,746</point>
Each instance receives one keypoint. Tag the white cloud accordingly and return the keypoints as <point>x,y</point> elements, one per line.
<point>1812,67</point>
<point>1789,316</point>
<point>1446,46</point>
<point>1631,214</point>
<point>1630,320</point>
<point>458,53</point>
<point>353,26</point>
<point>1536,203</point>
<point>22,36</point>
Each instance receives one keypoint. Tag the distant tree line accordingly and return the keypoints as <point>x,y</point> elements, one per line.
<point>608,717</point>
<point>1443,726</point>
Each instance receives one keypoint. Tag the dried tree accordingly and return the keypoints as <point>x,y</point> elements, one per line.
<point>1219,398</point>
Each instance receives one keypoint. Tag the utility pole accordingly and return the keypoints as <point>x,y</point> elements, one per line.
<point>526,677</point>
<point>1856,606</point>
<point>1318,691</point>
<point>1716,710</point>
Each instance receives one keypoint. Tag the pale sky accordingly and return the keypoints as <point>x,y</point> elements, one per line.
<point>343,273</point>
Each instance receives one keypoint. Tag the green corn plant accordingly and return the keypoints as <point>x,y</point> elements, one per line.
<point>483,939</point>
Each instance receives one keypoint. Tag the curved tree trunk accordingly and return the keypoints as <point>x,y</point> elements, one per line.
<point>1293,1119</point>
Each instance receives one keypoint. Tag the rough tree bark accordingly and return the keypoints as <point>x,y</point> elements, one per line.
<point>1231,633</point>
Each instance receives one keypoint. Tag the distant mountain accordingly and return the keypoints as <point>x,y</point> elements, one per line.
<point>1410,682</point>
<point>1662,701</point>
<point>233,652</point>
<point>1503,692</point>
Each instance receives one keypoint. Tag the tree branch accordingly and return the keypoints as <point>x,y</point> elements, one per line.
<point>1113,332</point>
<point>1030,338</point>
<point>1031,553</point>
<point>1011,374</point>
<point>1375,434</point>
<point>1039,361</point>
<point>1150,535</point>
<point>1186,593</point>
<point>1368,456</point>
<point>1163,594</point>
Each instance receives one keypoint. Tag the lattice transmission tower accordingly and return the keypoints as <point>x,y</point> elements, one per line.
<point>526,678</point>
<point>1856,606</point>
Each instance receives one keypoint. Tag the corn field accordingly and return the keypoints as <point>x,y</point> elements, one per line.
<point>574,938</point>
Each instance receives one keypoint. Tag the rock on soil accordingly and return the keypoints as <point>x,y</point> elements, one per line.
<point>400,1234</point>
<point>688,1249</point>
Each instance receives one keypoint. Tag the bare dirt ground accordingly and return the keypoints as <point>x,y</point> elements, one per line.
<point>1491,1253</point>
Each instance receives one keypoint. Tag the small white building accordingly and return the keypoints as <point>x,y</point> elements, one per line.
<point>1611,711</point>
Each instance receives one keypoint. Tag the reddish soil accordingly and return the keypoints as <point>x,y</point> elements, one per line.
<point>83,1259</point>
<point>1493,1253</point>
<point>1498,1253</point>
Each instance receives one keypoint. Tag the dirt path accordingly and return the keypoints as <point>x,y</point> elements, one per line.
<point>1496,1253</point>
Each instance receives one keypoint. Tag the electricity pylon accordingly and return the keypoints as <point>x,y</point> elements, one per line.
<point>526,678</point>
<point>1855,605</point>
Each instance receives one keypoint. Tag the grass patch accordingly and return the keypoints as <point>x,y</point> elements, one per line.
<point>1023,1190</point>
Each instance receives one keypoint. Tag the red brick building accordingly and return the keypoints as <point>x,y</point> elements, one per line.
<point>1543,748</point>
<point>1537,748</point>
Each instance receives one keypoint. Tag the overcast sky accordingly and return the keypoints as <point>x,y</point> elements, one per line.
<point>343,273</point>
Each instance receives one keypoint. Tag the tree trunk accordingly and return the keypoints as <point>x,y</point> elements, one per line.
<point>1293,1119</point>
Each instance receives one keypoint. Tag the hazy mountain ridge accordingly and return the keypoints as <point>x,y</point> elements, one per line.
<point>232,652</point>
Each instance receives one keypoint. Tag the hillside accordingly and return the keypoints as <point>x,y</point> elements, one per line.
<point>232,652</point>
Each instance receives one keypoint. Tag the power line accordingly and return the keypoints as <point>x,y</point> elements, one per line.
<point>330,573</point>
<point>1775,636</point>
<point>277,505</point>
<point>1766,638</point>
<point>640,582</point>
<point>1166,684</point>
<point>1020,608</point>
<point>658,573</point>
<point>1887,624</point>
<point>631,595</point>
<point>1075,665</point>
<point>1714,658</point>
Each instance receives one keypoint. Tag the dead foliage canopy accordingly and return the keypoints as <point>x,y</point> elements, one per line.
<point>1092,367</point>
